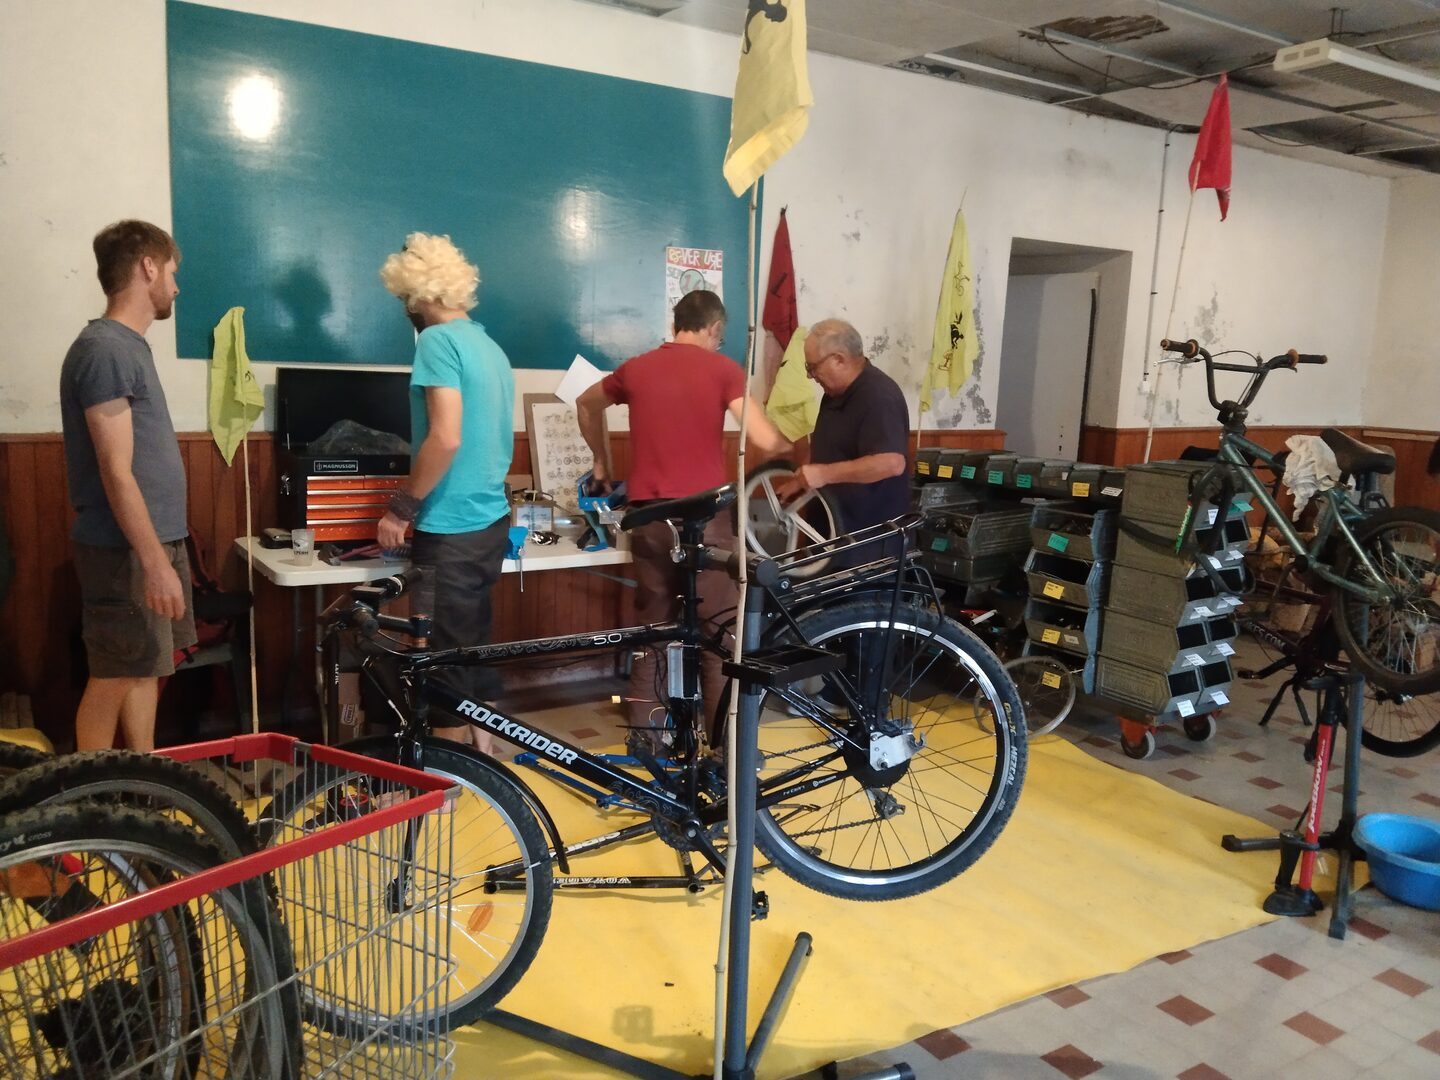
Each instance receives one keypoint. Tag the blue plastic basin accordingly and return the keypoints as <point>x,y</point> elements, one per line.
<point>1404,857</point>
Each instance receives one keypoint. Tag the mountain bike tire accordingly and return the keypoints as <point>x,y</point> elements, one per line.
<point>75,1023</point>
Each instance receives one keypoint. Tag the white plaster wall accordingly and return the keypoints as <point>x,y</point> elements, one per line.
<point>872,190</point>
<point>1404,388</point>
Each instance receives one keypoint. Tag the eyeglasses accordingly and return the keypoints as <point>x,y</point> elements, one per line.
<point>810,368</point>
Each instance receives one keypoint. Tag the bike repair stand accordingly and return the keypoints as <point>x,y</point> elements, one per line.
<point>1339,692</point>
<point>756,673</point>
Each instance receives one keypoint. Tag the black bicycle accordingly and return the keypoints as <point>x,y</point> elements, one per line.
<point>882,778</point>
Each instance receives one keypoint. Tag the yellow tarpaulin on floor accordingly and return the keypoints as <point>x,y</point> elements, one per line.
<point>1099,870</point>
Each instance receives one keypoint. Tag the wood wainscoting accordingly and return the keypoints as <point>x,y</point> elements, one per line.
<point>41,654</point>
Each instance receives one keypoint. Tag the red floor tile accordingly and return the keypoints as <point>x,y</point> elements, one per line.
<point>1289,813</point>
<point>1281,965</point>
<point>1247,757</point>
<point>1366,928</point>
<point>585,733</point>
<point>1265,782</point>
<point>1313,1028</point>
<point>1428,799</point>
<point>1406,984</point>
<point>1186,1011</point>
<point>1072,1061</point>
<point>1068,996</point>
<point>1184,774</point>
<point>1175,957</point>
<point>1431,1042</point>
<point>1202,1072</point>
<point>1403,773</point>
<point>943,1044</point>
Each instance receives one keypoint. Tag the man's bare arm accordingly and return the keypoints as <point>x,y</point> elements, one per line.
<point>759,428</point>
<point>590,413</point>
<point>113,434</point>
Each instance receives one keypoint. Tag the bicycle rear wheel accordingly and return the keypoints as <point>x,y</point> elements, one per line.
<point>1396,646</point>
<point>880,809</point>
<point>499,861</point>
<point>1399,725</point>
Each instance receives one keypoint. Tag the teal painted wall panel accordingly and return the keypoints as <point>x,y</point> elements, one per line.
<point>563,187</point>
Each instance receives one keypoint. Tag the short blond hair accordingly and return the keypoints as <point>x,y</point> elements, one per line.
<point>431,268</point>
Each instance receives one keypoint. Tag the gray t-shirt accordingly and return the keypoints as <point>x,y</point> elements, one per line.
<point>108,361</point>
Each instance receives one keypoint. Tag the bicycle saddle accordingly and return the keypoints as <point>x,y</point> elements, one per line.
<point>1356,457</point>
<point>692,509</point>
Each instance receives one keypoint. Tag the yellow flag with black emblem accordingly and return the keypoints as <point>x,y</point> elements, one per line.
<point>955,345</point>
<point>772,91</point>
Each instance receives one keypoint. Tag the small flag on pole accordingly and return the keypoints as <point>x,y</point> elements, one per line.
<point>955,345</point>
<point>781,315</point>
<point>236,400</point>
<point>1210,167</point>
<point>772,91</point>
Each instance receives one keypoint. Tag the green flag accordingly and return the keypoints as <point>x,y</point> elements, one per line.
<point>236,400</point>
<point>955,346</point>
<point>792,406</point>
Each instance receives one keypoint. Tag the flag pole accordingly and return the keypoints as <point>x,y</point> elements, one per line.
<point>742,508</point>
<point>1169,321</point>
<point>250,586</point>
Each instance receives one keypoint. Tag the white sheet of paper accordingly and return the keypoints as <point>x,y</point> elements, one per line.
<point>581,376</point>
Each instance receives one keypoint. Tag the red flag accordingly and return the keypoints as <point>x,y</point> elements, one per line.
<point>780,316</point>
<point>1210,167</point>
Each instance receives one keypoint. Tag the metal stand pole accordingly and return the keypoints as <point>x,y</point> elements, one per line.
<point>1340,839</point>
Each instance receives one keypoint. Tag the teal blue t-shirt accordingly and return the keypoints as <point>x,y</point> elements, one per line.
<point>462,356</point>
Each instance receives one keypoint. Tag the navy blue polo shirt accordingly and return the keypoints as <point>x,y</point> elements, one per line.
<point>870,417</point>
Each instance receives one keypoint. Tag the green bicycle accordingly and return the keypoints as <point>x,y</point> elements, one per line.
<point>1381,566</point>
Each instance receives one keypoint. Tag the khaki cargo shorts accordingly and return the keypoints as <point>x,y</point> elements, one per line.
<point>124,639</point>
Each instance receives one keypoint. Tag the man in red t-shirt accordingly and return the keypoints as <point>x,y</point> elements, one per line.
<point>678,396</point>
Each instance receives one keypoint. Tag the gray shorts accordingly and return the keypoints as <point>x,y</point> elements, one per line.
<point>124,639</point>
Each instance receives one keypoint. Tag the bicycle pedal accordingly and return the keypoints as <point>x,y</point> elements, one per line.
<point>759,906</point>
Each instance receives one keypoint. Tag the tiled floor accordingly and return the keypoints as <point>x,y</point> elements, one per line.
<point>1282,1000</point>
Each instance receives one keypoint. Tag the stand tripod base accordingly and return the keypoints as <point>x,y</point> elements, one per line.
<point>1293,901</point>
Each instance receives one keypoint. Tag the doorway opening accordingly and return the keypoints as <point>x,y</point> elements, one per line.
<point>1062,344</point>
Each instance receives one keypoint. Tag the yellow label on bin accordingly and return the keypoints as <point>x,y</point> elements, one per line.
<point>945,471</point>
<point>1050,679</point>
<point>1050,637</point>
<point>1080,491</point>
<point>1054,588</point>
<point>922,467</point>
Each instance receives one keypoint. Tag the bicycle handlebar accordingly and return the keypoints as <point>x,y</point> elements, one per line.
<point>1192,351</point>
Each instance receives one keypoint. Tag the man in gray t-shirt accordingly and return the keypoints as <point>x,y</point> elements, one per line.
<point>127,486</point>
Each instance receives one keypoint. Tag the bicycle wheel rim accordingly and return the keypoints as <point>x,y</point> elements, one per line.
<point>1400,725</point>
<point>1397,646</point>
<point>993,759</point>
<point>470,929</point>
<point>1047,691</point>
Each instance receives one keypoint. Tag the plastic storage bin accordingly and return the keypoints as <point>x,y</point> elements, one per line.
<point>1068,581</point>
<point>1067,629</point>
<point>1403,854</point>
<point>1169,600</point>
<point>1073,529</point>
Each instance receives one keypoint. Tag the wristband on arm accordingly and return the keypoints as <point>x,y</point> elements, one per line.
<point>404,505</point>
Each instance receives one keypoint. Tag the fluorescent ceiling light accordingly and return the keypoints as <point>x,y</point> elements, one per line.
<point>1365,73</point>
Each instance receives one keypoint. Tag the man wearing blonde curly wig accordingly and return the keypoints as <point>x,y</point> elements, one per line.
<point>462,395</point>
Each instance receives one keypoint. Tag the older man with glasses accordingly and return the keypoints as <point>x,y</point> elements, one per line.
<point>857,451</point>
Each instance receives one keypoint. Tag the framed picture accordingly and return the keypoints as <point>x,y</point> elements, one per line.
<point>558,453</point>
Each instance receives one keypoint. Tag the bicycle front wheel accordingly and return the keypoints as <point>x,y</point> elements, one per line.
<point>907,799</point>
<point>1395,645</point>
<point>502,884</point>
<point>1399,725</point>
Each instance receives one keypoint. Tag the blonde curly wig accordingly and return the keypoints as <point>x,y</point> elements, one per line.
<point>431,268</point>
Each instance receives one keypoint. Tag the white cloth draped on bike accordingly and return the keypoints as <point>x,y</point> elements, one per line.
<point>1310,469</point>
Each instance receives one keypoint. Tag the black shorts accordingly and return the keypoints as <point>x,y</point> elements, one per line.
<point>458,571</point>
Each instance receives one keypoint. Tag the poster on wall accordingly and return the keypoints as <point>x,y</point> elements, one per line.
<point>688,269</point>
<point>559,455</point>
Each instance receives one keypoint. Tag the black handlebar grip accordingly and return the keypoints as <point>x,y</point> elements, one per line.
<point>398,584</point>
<point>1311,358</point>
<point>1188,349</point>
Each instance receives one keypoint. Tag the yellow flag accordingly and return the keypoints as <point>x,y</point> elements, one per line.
<point>772,91</point>
<point>792,406</point>
<point>236,400</point>
<point>953,351</point>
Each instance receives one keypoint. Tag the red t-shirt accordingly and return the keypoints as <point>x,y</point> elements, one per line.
<point>678,395</point>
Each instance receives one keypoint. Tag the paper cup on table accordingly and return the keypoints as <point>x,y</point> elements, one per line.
<point>302,546</point>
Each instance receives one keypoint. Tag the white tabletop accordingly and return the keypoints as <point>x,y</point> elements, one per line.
<point>279,566</point>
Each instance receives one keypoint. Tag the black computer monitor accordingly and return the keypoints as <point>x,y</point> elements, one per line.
<point>309,400</point>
